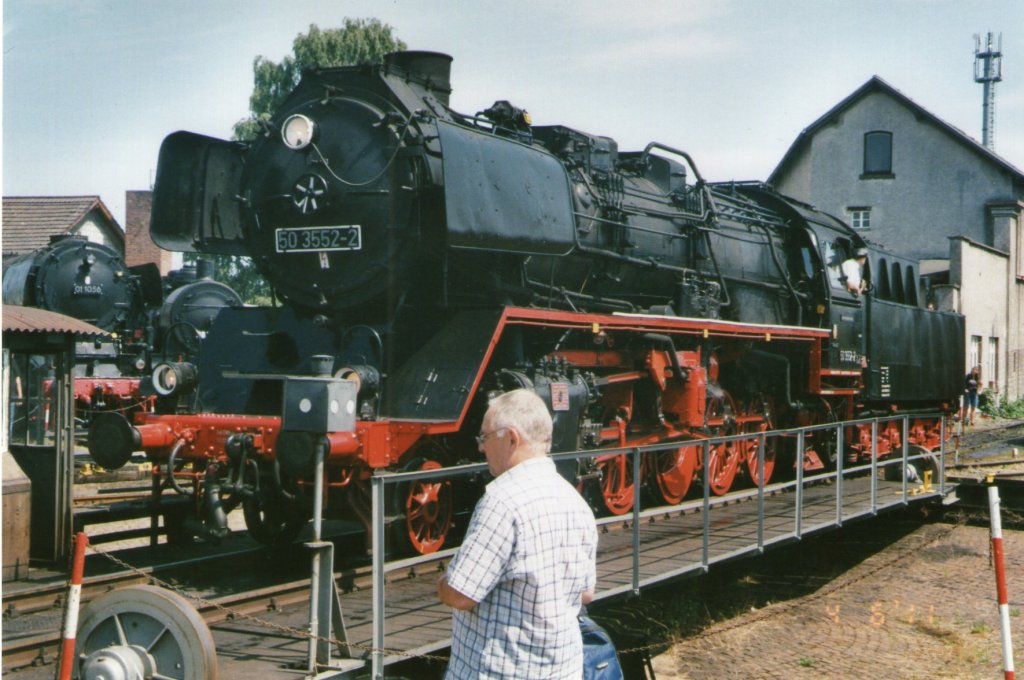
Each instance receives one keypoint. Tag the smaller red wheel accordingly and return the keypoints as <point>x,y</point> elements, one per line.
<point>724,458</point>
<point>428,510</point>
<point>674,472</point>
<point>617,487</point>
<point>750,447</point>
<point>724,462</point>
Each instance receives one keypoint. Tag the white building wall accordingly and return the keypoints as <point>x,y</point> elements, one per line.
<point>98,231</point>
<point>980,274</point>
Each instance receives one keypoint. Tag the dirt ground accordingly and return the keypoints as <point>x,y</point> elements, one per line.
<point>922,606</point>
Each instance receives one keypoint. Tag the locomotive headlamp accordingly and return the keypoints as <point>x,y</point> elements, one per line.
<point>366,378</point>
<point>174,378</point>
<point>298,131</point>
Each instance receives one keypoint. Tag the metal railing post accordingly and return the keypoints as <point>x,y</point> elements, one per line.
<point>636,521</point>
<point>377,508</point>
<point>798,520</point>
<point>314,586</point>
<point>761,441</point>
<point>705,554</point>
<point>906,455</point>
<point>874,466</point>
<point>942,455</point>
<point>840,455</point>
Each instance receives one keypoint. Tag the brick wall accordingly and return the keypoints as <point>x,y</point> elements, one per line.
<point>139,247</point>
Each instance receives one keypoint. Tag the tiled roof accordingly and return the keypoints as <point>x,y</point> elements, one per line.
<point>18,319</point>
<point>30,221</point>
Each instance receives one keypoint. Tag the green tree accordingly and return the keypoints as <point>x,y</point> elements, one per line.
<point>239,273</point>
<point>358,41</point>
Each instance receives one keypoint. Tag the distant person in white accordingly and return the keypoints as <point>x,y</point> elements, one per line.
<point>853,271</point>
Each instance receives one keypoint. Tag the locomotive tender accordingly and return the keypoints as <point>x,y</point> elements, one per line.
<point>430,258</point>
<point>147,318</point>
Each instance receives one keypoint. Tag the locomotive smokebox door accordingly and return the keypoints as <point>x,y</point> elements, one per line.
<point>319,405</point>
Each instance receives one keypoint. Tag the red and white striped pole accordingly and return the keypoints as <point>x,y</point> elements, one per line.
<point>997,558</point>
<point>67,649</point>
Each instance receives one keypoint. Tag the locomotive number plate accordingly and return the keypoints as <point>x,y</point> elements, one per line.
<point>308,239</point>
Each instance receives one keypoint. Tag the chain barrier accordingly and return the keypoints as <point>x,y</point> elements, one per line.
<point>233,614</point>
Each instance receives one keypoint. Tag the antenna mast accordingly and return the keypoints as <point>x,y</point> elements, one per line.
<point>988,70</point>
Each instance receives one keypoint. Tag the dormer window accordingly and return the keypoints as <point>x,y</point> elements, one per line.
<point>877,154</point>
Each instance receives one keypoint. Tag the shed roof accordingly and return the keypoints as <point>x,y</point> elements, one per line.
<point>30,221</point>
<point>17,319</point>
<point>876,84</point>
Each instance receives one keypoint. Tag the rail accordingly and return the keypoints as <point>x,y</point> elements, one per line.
<point>899,471</point>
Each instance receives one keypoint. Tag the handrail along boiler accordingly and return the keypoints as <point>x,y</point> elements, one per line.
<point>434,257</point>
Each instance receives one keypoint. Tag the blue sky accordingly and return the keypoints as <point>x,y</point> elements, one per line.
<point>91,87</point>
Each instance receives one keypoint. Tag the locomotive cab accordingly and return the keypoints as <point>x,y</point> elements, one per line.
<point>846,314</point>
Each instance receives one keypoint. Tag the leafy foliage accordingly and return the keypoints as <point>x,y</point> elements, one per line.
<point>1000,408</point>
<point>358,41</point>
<point>240,274</point>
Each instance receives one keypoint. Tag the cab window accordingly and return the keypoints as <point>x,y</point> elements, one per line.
<point>833,264</point>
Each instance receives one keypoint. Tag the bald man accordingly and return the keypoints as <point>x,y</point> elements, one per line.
<point>528,561</point>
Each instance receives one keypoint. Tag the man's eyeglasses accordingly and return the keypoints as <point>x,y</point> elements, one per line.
<point>482,437</point>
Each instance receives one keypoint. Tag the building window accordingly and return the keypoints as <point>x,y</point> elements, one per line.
<point>860,218</point>
<point>974,353</point>
<point>878,154</point>
<point>990,373</point>
<point>1020,246</point>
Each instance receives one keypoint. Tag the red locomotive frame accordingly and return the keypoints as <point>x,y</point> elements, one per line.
<point>692,407</point>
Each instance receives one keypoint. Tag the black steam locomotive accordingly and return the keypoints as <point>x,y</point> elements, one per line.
<point>149,319</point>
<point>430,258</point>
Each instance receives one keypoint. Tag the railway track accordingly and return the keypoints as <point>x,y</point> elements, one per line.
<point>974,443</point>
<point>218,600</point>
<point>225,601</point>
<point>986,457</point>
<point>39,607</point>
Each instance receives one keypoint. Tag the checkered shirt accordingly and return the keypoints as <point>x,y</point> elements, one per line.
<point>528,556</point>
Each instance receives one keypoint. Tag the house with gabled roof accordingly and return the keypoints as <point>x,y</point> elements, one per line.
<point>916,185</point>
<point>30,221</point>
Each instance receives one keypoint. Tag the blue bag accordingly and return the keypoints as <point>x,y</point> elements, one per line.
<point>600,661</point>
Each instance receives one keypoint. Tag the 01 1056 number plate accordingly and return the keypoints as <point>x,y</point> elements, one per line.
<point>312,239</point>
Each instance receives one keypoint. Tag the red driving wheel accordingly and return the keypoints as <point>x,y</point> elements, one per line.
<point>724,457</point>
<point>428,509</point>
<point>617,487</point>
<point>759,408</point>
<point>675,470</point>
